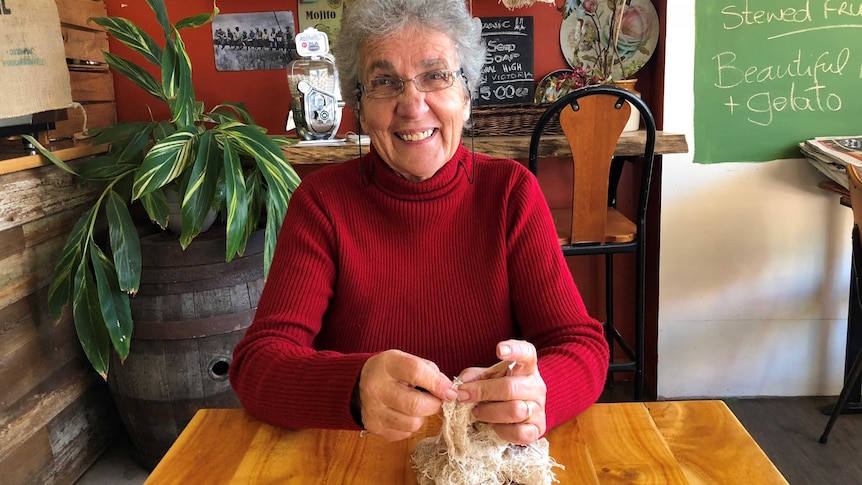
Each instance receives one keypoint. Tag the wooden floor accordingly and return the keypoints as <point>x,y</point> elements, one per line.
<point>789,429</point>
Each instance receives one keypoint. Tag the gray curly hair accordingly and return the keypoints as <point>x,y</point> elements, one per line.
<point>365,20</point>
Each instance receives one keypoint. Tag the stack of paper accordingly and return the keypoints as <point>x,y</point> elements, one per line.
<point>831,154</point>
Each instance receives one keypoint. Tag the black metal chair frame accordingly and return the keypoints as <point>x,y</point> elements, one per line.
<point>636,352</point>
<point>856,369</point>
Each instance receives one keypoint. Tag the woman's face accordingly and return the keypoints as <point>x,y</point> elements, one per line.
<point>415,132</point>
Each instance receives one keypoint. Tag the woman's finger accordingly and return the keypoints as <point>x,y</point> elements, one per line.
<point>522,353</point>
<point>519,434</point>
<point>423,374</point>
<point>507,412</point>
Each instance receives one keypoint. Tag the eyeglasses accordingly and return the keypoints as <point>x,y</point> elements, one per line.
<point>389,86</point>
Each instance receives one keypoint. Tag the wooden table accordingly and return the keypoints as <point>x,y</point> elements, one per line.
<point>630,143</point>
<point>673,442</point>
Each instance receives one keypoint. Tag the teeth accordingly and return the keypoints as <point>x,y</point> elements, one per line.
<point>417,136</point>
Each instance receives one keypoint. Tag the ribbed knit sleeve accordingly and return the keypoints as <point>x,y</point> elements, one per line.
<point>442,269</point>
<point>277,373</point>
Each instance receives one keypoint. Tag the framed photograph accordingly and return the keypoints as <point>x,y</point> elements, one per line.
<point>253,41</point>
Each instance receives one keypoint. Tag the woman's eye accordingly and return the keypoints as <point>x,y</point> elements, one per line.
<point>436,75</point>
<point>382,82</point>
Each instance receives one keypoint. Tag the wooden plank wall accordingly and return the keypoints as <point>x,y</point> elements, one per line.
<point>56,414</point>
<point>92,82</point>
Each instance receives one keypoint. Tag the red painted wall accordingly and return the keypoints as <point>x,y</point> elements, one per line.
<point>265,93</point>
<point>267,97</point>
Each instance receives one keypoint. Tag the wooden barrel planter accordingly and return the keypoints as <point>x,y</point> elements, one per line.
<point>190,312</point>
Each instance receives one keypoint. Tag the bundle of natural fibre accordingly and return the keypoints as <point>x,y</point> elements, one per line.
<point>470,453</point>
<point>513,4</point>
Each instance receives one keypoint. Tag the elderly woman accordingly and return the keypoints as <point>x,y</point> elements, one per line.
<point>418,261</point>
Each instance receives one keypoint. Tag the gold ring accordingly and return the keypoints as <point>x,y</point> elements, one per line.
<point>529,412</point>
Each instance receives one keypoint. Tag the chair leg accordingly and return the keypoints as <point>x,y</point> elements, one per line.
<point>855,371</point>
<point>640,299</point>
<point>636,353</point>
<point>610,329</point>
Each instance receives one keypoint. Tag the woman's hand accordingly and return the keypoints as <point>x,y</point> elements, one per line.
<point>513,403</point>
<point>398,391</point>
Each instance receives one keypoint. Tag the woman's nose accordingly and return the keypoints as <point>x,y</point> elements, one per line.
<point>411,101</point>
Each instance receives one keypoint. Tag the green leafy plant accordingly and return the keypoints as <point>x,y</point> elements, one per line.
<point>216,158</point>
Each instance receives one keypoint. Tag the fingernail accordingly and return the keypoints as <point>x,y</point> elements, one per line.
<point>463,395</point>
<point>505,350</point>
<point>450,395</point>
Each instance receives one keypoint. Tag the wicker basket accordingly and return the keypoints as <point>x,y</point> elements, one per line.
<point>513,119</point>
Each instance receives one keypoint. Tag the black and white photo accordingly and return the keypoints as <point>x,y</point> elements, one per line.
<point>253,41</point>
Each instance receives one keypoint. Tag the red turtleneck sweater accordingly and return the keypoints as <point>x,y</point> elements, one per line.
<point>442,269</point>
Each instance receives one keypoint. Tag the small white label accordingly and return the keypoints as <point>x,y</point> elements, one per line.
<point>312,43</point>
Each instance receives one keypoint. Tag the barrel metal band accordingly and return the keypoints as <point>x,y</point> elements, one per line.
<point>201,327</point>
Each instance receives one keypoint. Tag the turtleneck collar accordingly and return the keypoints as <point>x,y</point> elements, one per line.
<point>458,170</point>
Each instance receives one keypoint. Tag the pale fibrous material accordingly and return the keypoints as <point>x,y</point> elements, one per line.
<point>513,4</point>
<point>467,452</point>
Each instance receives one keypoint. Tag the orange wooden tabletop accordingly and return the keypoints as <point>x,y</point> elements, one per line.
<point>671,442</point>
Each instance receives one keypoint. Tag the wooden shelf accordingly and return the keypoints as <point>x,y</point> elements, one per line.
<point>66,152</point>
<point>631,143</point>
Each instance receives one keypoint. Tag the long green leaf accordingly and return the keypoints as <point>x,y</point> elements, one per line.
<point>221,117</point>
<point>60,289</point>
<point>132,36</point>
<point>280,178</point>
<point>112,134</point>
<point>170,74</point>
<point>103,168</point>
<point>134,148</point>
<point>256,202</point>
<point>278,173</point>
<point>136,74</point>
<point>273,226</point>
<point>164,130</point>
<point>125,243</point>
<point>47,154</point>
<point>156,205</point>
<point>237,203</point>
<point>165,161</point>
<point>177,81</point>
<point>201,188</point>
<point>158,7</point>
<point>197,20</point>
<point>113,303</point>
<point>283,141</point>
<point>89,324</point>
<point>233,111</point>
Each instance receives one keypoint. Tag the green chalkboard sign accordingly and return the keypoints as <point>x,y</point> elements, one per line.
<point>772,73</point>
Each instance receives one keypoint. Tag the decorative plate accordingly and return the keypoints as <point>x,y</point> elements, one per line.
<point>586,36</point>
<point>548,91</point>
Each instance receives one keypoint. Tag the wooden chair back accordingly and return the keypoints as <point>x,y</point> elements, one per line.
<point>592,132</point>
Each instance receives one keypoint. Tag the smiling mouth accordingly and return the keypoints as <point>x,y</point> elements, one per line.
<point>416,136</point>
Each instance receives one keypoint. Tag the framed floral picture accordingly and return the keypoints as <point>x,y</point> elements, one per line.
<point>611,39</point>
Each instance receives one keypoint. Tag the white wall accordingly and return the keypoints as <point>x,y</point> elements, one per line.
<point>754,263</point>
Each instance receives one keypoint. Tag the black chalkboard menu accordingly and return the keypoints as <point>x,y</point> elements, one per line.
<point>507,76</point>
